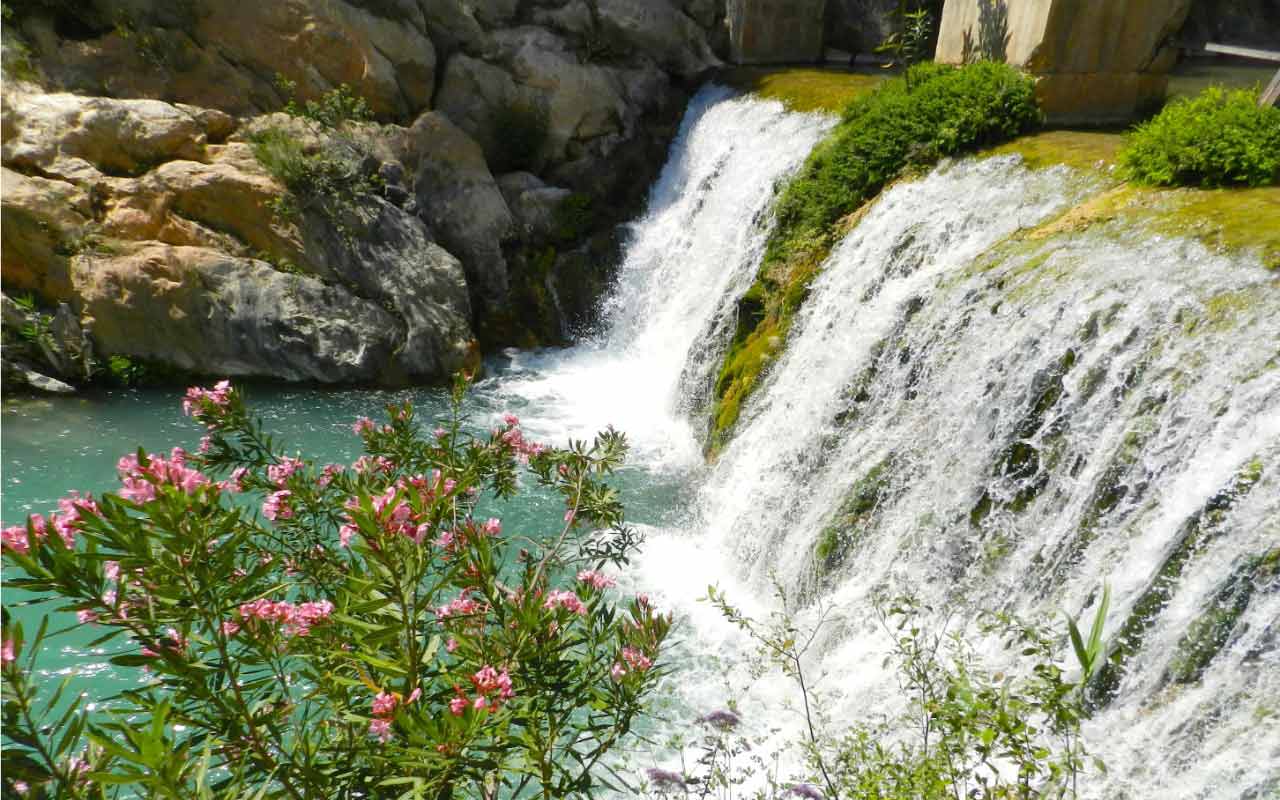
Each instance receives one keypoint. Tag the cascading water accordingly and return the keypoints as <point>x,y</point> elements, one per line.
<point>973,406</point>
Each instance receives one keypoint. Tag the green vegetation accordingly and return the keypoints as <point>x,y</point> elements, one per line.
<point>1218,138</point>
<point>906,123</point>
<point>852,518</point>
<point>912,42</point>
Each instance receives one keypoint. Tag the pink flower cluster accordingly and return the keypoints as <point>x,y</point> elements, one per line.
<point>277,506</point>
<point>395,508</point>
<point>635,660</point>
<point>492,689</point>
<point>595,579</point>
<point>370,464</point>
<point>65,522</point>
<point>514,437</point>
<point>384,709</point>
<point>564,599</point>
<point>138,482</point>
<point>172,641</point>
<point>204,401</point>
<point>461,606</point>
<point>295,620</point>
<point>279,473</point>
<point>7,653</point>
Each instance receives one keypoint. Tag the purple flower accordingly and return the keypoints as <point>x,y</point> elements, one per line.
<point>723,718</point>
<point>806,790</point>
<point>664,778</point>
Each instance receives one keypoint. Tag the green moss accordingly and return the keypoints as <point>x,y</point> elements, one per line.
<point>1083,150</point>
<point>804,88</point>
<point>852,518</point>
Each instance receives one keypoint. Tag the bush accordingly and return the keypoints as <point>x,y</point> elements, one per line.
<point>367,635</point>
<point>328,181</point>
<point>909,122</point>
<point>1218,138</point>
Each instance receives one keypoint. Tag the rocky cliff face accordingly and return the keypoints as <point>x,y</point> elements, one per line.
<point>156,198</point>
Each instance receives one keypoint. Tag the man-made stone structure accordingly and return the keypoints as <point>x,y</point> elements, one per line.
<point>1097,60</point>
<point>775,31</point>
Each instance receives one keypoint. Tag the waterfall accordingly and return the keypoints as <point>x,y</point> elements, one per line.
<point>972,406</point>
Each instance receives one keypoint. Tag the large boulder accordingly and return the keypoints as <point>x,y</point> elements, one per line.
<point>458,198</point>
<point>43,222</point>
<point>205,311</point>
<point>61,134</point>
<point>1096,60</point>
<point>534,205</point>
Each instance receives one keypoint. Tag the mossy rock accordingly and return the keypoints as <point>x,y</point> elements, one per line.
<point>1196,532</point>
<point>826,90</point>
<point>852,518</point>
<point>1094,151</point>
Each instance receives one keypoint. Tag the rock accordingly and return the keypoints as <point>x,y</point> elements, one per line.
<point>213,314</point>
<point>393,262</point>
<point>1095,60</point>
<point>43,222</point>
<point>656,29</point>
<point>573,19</point>
<point>18,374</point>
<point>582,101</point>
<point>860,26</point>
<point>472,94</point>
<point>459,200</point>
<point>453,26</point>
<point>533,204</point>
<point>226,54</point>
<point>56,134</point>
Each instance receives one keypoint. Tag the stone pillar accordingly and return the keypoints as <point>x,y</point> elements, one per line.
<point>1094,60</point>
<point>775,31</point>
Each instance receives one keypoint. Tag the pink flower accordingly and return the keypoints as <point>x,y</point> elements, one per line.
<point>384,704</point>
<point>327,475</point>
<point>279,473</point>
<point>206,444</point>
<point>569,516</point>
<point>111,570</point>
<point>566,600</point>
<point>413,696</point>
<point>380,728</point>
<point>635,659</point>
<point>15,538</point>
<point>137,490</point>
<point>277,505</point>
<point>596,579</point>
<point>618,671</point>
<point>362,426</point>
<point>440,433</point>
<point>511,419</point>
<point>451,645</point>
<point>480,703</point>
<point>230,628</point>
<point>457,706</point>
<point>493,526</point>
<point>86,615</point>
<point>346,533</point>
<point>207,402</point>
<point>7,655</point>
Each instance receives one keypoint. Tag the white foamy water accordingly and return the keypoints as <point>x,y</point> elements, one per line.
<point>1033,417</point>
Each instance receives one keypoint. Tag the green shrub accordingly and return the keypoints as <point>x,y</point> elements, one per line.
<point>328,180</point>
<point>1218,138</point>
<point>930,112</point>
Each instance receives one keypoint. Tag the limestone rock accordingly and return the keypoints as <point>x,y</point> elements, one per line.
<point>458,198</point>
<point>393,262</point>
<point>205,311</point>
<point>775,31</point>
<point>43,222</point>
<point>471,95</point>
<point>16,373</point>
<point>56,134</point>
<point>658,29</point>
<point>226,54</point>
<point>453,26</point>
<point>533,203</point>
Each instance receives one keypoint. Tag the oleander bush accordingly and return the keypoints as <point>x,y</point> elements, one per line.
<point>1217,138</point>
<point>337,631</point>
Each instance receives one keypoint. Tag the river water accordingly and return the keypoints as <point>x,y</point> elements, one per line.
<point>1133,377</point>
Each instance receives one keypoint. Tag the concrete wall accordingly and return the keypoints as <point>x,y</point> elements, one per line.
<point>1095,60</point>
<point>775,31</point>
